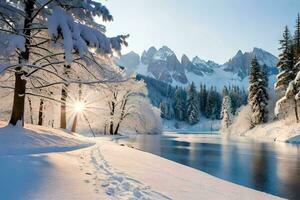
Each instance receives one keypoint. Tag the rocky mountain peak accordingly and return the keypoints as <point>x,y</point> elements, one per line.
<point>163,53</point>
<point>240,64</point>
<point>163,64</point>
<point>148,55</point>
<point>197,61</point>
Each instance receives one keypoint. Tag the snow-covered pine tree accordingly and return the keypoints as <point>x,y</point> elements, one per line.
<point>218,104</point>
<point>285,64</point>
<point>202,99</point>
<point>225,91</point>
<point>226,113</point>
<point>179,105</point>
<point>170,109</point>
<point>184,102</point>
<point>29,28</point>
<point>265,74</point>
<point>257,97</point>
<point>192,104</point>
<point>163,110</point>
<point>297,39</point>
<point>210,104</point>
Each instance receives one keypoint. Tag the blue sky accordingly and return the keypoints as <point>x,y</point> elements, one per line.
<point>211,29</point>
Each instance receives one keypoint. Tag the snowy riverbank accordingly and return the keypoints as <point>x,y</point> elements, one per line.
<point>277,131</point>
<point>38,164</point>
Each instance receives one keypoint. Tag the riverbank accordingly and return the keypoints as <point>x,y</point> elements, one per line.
<point>60,165</point>
<point>204,125</point>
<point>278,131</point>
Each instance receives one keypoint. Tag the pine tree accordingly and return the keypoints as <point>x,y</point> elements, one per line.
<point>192,103</point>
<point>226,112</point>
<point>163,110</point>
<point>257,97</point>
<point>202,99</point>
<point>184,96</point>
<point>211,104</point>
<point>225,91</point>
<point>179,107</point>
<point>170,109</point>
<point>285,64</point>
<point>297,39</point>
<point>218,104</point>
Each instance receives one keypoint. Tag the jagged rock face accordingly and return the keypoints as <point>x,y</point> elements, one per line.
<point>201,67</point>
<point>212,64</point>
<point>163,65</point>
<point>240,64</point>
<point>147,56</point>
<point>177,69</point>
<point>187,64</point>
<point>167,70</point>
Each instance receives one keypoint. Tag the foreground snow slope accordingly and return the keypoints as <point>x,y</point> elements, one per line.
<point>42,163</point>
<point>36,163</point>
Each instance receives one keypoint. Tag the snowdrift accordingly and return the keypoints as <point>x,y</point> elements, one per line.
<point>36,139</point>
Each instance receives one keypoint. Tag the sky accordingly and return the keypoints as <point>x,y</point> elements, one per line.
<point>211,29</point>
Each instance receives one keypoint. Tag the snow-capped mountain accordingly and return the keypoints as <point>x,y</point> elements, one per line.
<point>241,62</point>
<point>163,65</point>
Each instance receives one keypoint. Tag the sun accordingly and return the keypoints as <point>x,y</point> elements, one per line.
<point>79,106</point>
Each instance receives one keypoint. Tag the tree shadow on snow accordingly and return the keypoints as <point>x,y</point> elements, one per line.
<point>21,176</point>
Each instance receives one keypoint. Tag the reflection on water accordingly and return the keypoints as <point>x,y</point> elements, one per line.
<point>268,167</point>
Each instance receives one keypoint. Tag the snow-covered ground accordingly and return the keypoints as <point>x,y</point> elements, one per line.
<point>43,163</point>
<point>279,131</point>
<point>284,130</point>
<point>205,125</point>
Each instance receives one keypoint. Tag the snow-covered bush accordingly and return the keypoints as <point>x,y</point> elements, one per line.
<point>242,122</point>
<point>226,113</point>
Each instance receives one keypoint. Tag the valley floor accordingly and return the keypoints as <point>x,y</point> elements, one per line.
<point>41,163</point>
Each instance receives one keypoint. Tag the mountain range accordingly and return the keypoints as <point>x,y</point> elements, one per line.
<point>162,64</point>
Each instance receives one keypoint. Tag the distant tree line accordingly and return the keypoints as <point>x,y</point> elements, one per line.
<point>188,104</point>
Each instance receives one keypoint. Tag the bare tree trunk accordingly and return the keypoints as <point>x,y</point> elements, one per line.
<point>105,127</point>
<point>63,109</point>
<point>30,110</point>
<point>41,109</point>
<point>122,117</point>
<point>112,113</point>
<point>117,128</point>
<point>296,111</point>
<point>19,100</point>
<point>74,126</point>
<point>20,84</point>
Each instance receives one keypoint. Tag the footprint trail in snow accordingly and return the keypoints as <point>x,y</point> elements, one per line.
<point>117,185</point>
